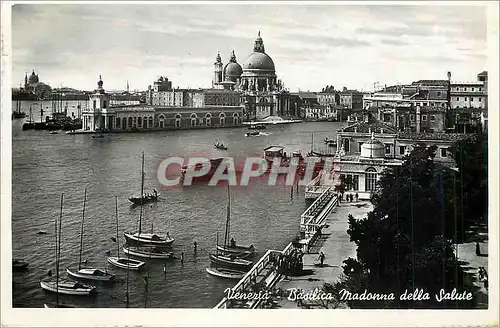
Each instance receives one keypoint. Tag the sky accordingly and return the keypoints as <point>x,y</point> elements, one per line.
<point>311,45</point>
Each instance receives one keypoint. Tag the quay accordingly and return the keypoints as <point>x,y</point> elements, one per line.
<point>315,225</point>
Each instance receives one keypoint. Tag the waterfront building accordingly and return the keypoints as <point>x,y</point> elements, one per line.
<point>32,84</point>
<point>413,118</point>
<point>203,108</point>
<point>99,115</point>
<point>328,98</point>
<point>472,94</point>
<point>351,99</point>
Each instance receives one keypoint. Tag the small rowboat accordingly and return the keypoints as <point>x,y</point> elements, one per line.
<point>148,239</point>
<point>252,133</point>
<point>225,273</point>
<point>145,198</point>
<point>91,274</point>
<point>18,265</point>
<point>68,287</point>
<point>240,251</point>
<point>149,252</point>
<point>231,261</point>
<point>125,263</point>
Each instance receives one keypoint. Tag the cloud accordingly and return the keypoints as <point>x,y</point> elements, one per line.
<point>311,45</point>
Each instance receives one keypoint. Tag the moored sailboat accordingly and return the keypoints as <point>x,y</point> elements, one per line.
<point>64,286</point>
<point>123,262</point>
<point>225,273</point>
<point>140,238</point>
<point>88,273</point>
<point>150,252</point>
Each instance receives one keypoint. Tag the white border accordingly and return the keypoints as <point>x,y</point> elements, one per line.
<point>247,318</point>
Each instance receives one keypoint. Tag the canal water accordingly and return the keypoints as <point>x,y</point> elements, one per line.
<point>45,165</point>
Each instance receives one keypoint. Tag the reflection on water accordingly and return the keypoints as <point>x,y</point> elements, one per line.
<point>44,166</point>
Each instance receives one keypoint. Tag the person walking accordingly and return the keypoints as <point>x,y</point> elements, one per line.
<point>321,258</point>
<point>478,249</point>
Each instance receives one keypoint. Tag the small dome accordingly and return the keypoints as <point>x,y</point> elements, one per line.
<point>232,70</point>
<point>373,148</point>
<point>259,60</point>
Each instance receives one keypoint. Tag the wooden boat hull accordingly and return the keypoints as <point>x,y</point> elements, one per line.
<point>67,288</point>
<point>228,261</point>
<point>226,273</point>
<point>81,274</point>
<point>241,251</point>
<point>147,239</point>
<point>125,263</point>
<point>150,255</point>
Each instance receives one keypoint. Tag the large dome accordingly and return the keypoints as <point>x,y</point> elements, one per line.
<point>259,61</point>
<point>232,70</point>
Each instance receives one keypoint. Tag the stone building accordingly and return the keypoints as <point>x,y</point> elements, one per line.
<point>32,84</point>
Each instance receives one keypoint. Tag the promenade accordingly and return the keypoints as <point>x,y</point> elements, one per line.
<point>334,243</point>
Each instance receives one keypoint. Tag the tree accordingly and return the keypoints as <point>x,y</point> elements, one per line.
<point>405,242</point>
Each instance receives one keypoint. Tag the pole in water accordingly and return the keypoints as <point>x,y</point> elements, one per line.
<point>165,269</point>
<point>291,193</point>
<point>182,258</point>
<point>195,247</point>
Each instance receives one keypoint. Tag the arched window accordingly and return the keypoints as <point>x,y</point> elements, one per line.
<point>130,122</point>
<point>194,119</point>
<point>208,119</point>
<point>370,179</point>
<point>118,123</point>
<point>235,118</point>
<point>178,120</point>
<point>139,122</point>
<point>150,122</point>
<point>222,119</point>
<point>145,122</point>
<point>161,119</point>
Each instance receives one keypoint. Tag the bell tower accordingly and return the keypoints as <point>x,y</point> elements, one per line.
<point>216,83</point>
<point>259,45</point>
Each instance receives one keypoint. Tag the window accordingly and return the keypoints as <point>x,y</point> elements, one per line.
<point>118,123</point>
<point>402,150</point>
<point>359,146</point>
<point>351,181</point>
<point>439,93</point>
<point>94,104</point>
<point>458,89</point>
<point>139,122</point>
<point>433,118</point>
<point>370,179</point>
<point>458,98</point>
<point>387,148</point>
<point>480,99</point>
<point>472,89</point>
<point>347,144</point>
<point>480,89</point>
<point>104,104</point>
<point>424,117</point>
<point>412,117</point>
<point>443,152</point>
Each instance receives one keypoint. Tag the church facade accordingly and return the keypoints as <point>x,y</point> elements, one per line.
<point>262,93</point>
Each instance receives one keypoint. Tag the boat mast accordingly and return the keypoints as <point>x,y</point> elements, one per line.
<point>228,218</point>
<point>58,251</point>
<point>81,232</point>
<point>31,115</point>
<point>142,194</point>
<point>117,240</point>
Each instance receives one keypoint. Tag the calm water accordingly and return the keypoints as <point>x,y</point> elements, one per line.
<point>44,166</point>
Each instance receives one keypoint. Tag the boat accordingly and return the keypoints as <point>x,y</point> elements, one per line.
<point>252,133</point>
<point>17,113</point>
<point>226,273</point>
<point>64,286</point>
<point>97,136</point>
<point>30,124</point>
<point>149,252</point>
<point>231,261</point>
<point>272,120</point>
<point>94,274</point>
<point>68,287</point>
<point>19,265</point>
<point>220,146</point>
<point>123,262</point>
<point>146,198</point>
<point>146,239</point>
<point>272,153</point>
<point>221,258</point>
<point>230,247</point>
<point>257,127</point>
<point>53,132</point>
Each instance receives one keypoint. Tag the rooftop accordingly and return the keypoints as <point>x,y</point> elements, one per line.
<point>433,136</point>
<point>368,127</point>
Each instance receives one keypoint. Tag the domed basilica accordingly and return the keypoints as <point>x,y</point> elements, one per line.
<point>256,80</point>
